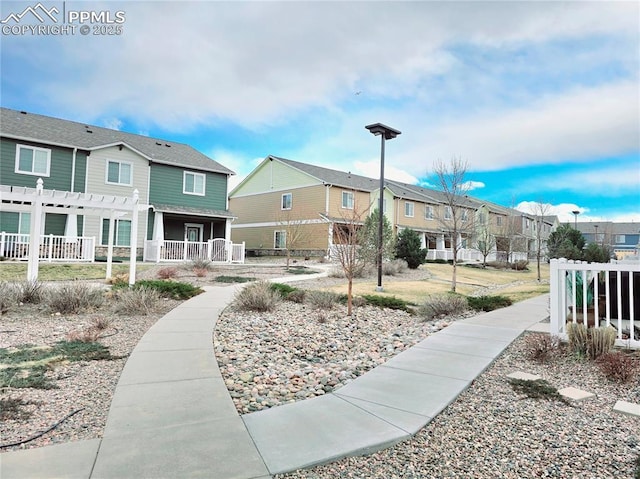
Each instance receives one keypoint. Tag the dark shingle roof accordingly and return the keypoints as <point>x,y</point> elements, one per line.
<point>55,131</point>
<point>334,177</point>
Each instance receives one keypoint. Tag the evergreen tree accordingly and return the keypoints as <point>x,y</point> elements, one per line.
<point>368,238</point>
<point>408,248</point>
<point>566,242</point>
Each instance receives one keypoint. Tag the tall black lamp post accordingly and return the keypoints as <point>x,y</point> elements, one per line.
<point>575,220</point>
<point>386,133</point>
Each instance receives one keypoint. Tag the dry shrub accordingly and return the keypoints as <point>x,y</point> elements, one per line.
<point>392,268</point>
<point>73,298</point>
<point>322,299</point>
<point>541,346</point>
<point>199,263</point>
<point>440,305</point>
<point>601,340</point>
<point>8,296</point>
<point>296,296</point>
<point>258,296</point>
<point>578,338</point>
<point>30,291</point>
<point>618,366</point>
<point>119,279</point>
<point>167,273</point>
<point>200,272</point>
<point>89,335</point>
<point>137,301</point>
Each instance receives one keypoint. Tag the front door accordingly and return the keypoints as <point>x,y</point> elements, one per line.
<point>193,232</point>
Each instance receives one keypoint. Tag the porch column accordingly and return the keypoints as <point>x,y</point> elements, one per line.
<point>440,242</point>
<point>227,229</point>
<point>110,243</point>
<point>34,230</point>
<point>134,239</point>
<point>158,233</point>
<point>71,228</point>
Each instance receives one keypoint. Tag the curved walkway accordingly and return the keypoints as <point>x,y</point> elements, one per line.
<point>172,416</point>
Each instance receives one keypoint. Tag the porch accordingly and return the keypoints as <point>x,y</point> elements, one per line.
<point>598,295</point>
<point>218,250</point>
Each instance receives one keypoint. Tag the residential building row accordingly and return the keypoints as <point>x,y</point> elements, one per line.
<point>622,237</point>
<point>184,205</point>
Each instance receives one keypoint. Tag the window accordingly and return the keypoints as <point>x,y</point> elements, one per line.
<point>408,209</point>
<point>33,161</point>
<point>119,173</point>
<point>499,220</point>
<point>620,239</point>
<point>24,227</point>
<point>280,239</point>
<point>447,213</point>
<point>193,183</point>
<point>465,215</point>
<point>428,212</point>
<point>347,200</point>
<point>286,201</point>
<point>121,235</point>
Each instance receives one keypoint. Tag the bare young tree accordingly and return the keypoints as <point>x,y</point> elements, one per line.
<point>540,210</point>
<point>347,250</point>
<point>296,232</point>
<point>457,218</point>
<point>484,242</point>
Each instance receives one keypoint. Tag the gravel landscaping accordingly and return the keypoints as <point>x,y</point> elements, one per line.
<point>297,352</point>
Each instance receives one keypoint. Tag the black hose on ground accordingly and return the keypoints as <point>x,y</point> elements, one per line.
<point>2,446</point>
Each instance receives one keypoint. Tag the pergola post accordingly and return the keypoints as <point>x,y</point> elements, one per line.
<point>35,228</point>
<point>110,243</point>
<point>134,239</point>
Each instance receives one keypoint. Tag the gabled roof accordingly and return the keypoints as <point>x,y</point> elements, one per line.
<point>608,227</point>
<point>25,126</point>
<point>333,177</point>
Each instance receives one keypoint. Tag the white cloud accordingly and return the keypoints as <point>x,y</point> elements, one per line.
<point>472,185</point>
<point>372,170</point>
<point>564,211</point>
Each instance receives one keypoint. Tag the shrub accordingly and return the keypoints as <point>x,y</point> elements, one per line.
<point>390,302</point>
<point>296,296</point>
<point>540,346</point>
<point>618,366</point>
<point>170,289</point>
<point>233,279</point>
<point>258,296</point>
<point>446,304</point>
<point>488,303</point>
<point>408,248</point>
<point>167,273</point>
<point>391,268</point>
<point>119,280</point>
<point>322,299</point>
<point>200,272</point>
<point>199,263</point>
<point>89,335</point>
<point>537,389</point>
<point>578,338</point>
<point>600,341</point>
<point>141,300</point>
<point>30,291</point>
<point>8,296</point>
<point>282,288</point>
<point>73,298</point>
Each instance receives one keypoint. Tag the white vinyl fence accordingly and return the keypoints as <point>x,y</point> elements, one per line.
<point>218,250</point>
<point>15,246</point>
<point>598,295</point>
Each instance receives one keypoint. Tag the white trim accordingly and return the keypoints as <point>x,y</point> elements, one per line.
<point>33,163</point>
<point>290,201</point>
<point>275,244</point>
<point>353,199</point>
<point>184,183</point>
<point>274,223</point>
<point>120,163</point>
<point>413,207</point>
<point>200,228</point>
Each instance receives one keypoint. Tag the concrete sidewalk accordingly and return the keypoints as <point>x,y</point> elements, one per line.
<point>172,416</point>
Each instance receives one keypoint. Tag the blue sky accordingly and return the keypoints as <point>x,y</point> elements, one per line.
<point>541,99</point>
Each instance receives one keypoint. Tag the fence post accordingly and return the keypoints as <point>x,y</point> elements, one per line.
<point>554,297</point>
<point>2,251</point>
<point>50,248</point>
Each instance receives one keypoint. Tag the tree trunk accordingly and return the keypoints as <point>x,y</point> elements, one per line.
<point>349,297</point>
<point>453,276</point>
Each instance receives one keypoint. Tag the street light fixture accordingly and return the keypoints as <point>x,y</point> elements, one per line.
<point>575,221</point>
<point>386,133</point>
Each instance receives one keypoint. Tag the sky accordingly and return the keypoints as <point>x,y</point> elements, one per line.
<point>540,100</point>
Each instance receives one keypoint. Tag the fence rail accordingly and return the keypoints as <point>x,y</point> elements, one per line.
<point>15,246</point>
<point>218,250</point>
<point>597,295</point>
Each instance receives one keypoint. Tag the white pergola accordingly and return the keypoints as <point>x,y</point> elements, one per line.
<point>39,201</point>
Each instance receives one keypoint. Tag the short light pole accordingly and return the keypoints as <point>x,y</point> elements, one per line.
<point>386,133</point>
<point>596,237</point>
<point>575,220</point>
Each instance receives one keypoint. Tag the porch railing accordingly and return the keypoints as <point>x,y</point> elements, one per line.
<point>15,246</point>
<point>218,250</point>
<point>597,295</point>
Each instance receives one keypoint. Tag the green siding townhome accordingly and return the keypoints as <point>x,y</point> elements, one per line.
<point>183,193</point>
